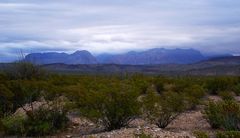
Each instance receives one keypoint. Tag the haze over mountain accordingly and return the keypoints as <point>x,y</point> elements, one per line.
<point>215,66</point>
<point>78,57</point>
<point>149,57</point>
<point>154,56</point>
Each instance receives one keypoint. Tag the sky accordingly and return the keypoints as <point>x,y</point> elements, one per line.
<point>118,26</point>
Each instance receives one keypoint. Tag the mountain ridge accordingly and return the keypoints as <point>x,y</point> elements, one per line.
<point>149,57</point>
<point>78,57</point>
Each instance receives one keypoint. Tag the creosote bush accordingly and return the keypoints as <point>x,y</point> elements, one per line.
<point>223,114</point>
<point>162,109</point>
<point>25,71</point>
<point>13,125</point>
<point>113,104</point>
<point>109,100</point>
<point>218,84</point>
<point>193,95</point>
<point>226,95</point>
<point>228,134</point>
<point>200,134</point>
<point>43,121</point>
<point>236,89</point>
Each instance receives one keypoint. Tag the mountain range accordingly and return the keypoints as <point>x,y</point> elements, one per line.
<point>148,57</point>
<point>228,65</point>
<point>209,67</point>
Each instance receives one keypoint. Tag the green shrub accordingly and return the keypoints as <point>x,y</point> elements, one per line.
<point>159,84</point>
<point>13,125</point>
<point>226,95</point>
<point>1,128</point>
<point>162,109</point>
<point>24,70</point>
<point>224,114</point>
<point>5,97</point>
<point>141,82</point>
<point>24,91</point>
<point>193,95</point>
<point>236,89</point>
<point>213,114</point>
<point>200,134</point>
<point>228,134</point>
<point>218,84</point>
<point>112,105</point>
<point>45,121</point>
<point>142,135</point>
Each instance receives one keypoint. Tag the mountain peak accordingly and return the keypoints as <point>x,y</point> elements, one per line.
<point>81,52</point>
<point>78,57</point>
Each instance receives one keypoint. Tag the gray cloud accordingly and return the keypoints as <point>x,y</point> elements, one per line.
<point>118,26</point>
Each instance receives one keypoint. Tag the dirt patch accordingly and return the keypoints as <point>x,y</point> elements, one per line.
<point>190,121</point>
<point>154,132</point>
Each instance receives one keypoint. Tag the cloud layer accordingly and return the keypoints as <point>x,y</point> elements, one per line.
<point>118,26</point>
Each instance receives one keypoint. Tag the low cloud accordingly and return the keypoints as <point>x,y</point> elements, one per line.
<point>118,26</point>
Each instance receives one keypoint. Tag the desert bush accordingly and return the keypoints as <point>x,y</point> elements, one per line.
<point>24,91</point>
<point>43,121</point>
<point>171,105</point>
<point>112,105</point>
<point>1,128</point>
<point>236,89</point>
<point>213,115</point>
<point>25,71</point>
<point>228,134</point>
<point>223,114</point>
<point>141,82</point>
<point>226,95</point>
<point>142,135</point>
<point>193,95</point>
<point>218,84</point>
<point>5,98</point>
<point>13,125</point>
<point>200,134</point>
<point>159,83</point>
<point>162,109</point>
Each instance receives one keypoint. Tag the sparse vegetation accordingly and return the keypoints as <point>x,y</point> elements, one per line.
<point>142,135</point>
<point>112,105</point>
<point>228,134</point>
<point>162,109</point>
<point>224,114</point>
<point>201,134</point>
<point>226,95</point>
<point>111,101</point>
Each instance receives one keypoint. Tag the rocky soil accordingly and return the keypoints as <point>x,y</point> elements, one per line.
<point>182,127</point>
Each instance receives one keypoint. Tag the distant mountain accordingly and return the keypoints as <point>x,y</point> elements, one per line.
<point>79,57</point>
<point>149,57</point>
<point>153,56</point>
<point>211,67</point>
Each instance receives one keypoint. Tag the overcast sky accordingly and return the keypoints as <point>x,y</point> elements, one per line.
<point>115,26</point>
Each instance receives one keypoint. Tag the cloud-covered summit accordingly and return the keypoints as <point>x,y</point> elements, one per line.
<point>212,26</point>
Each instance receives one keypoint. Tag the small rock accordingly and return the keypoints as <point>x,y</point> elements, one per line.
<point>68,136</point>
